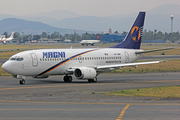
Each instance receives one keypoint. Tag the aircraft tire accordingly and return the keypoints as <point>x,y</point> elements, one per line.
<point>69,79</point>
<point>22,82</point>
<point>65,78</point>
<point>92,80</point>
<point>95,79</point>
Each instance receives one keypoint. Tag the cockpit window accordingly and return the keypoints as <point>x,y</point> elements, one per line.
<point>16,59</point>
<point>12,59</point>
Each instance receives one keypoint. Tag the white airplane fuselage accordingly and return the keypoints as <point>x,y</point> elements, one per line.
<point>58,61</point>
<point>91,42</point>
<point>4,40</point>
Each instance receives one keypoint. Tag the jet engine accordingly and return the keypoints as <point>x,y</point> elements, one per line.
<point>85,73</point>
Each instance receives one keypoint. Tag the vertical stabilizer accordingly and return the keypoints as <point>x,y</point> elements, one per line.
<point>133,38</point>
<point>12,35</point>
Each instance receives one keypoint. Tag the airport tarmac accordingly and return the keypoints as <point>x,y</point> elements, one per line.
<point>53,99</point>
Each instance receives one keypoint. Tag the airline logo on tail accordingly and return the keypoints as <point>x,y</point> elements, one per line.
<point>136,33</point>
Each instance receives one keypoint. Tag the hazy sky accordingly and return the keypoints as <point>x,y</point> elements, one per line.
<point>85,7</point>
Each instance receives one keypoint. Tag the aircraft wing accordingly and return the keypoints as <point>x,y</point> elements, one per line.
<point>127,64</point>
<point>117,66</point>
<point>139,52</point>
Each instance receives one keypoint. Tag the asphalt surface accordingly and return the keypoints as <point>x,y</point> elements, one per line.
<point>53,99</point>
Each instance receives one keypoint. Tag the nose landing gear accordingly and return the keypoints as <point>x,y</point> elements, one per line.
<point>22,79</point>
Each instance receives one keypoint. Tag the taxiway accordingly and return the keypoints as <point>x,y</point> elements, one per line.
<point>53,99</point>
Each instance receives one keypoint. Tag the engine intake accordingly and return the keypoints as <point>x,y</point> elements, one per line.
<point>85,73</point>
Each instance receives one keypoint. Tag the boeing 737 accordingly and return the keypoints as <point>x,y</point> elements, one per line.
<point>83,64</point>
<point>90,42</point>
<point>4,40</point>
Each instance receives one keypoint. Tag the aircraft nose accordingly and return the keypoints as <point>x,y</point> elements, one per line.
<point>7,67</point>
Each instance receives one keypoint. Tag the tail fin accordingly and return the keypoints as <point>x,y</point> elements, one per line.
<point>133,39</point>
<point>98,37</point>
<point>12,35</point>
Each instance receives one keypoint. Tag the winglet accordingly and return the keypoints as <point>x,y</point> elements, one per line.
<point>133,39</point>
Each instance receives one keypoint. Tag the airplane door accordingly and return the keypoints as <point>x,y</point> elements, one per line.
<point>126,57</point>
<point>80,59</point>
<point>34,60</point>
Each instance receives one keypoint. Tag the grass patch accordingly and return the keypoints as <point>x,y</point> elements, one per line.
<point>161,92</point>
<point>175,51</point>
<point>170,66</point>
<point>3,73</point>
<point>8,54</point>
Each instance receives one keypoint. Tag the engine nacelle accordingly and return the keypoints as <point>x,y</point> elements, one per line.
<point>85,73</point>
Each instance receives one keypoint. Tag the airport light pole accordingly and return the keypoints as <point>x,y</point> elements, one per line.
<point>172,17</point>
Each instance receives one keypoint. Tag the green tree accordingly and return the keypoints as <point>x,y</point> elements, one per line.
<point>116,32</point>
<point>44,35</point>
<point>86,36</point>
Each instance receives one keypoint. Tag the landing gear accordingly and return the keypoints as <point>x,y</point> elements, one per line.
<point>92,80</point>
<point>67,78</point>
<point>22,82</point>
<point>22,79</point>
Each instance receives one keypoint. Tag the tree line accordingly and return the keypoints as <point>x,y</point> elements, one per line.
<point>158,35</point>
<point>147,35</point>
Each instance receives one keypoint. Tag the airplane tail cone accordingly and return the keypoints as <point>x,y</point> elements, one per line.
<point>133,39</point>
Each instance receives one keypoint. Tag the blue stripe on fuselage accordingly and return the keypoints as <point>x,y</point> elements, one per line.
<point>64,61</point>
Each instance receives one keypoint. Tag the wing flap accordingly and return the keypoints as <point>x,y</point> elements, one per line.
<point>128,64</point>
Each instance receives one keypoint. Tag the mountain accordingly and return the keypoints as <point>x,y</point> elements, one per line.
<point>157,18</point>
<point>51,17</point>
<point>58,15</point>
<point>28,27</point>
<point>166,9</point>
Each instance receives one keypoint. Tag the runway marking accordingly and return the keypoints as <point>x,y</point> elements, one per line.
<point>56,109</point>
<point>123,112</point>
<point>17,88</point>
<point>11,101</point>
<point>57,86</point>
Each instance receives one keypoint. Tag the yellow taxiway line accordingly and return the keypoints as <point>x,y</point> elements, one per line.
<point>97,84</point>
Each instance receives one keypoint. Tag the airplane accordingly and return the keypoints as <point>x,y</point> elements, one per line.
<point>4,40</point>
<point>83,64</point>
<point>90,42</point>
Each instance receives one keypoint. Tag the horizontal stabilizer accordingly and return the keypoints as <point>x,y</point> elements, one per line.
<point>140,52</point>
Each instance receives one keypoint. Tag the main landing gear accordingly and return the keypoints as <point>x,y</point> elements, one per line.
<point>67,78</point>
<point>92,80</point>
<point>22,82</point>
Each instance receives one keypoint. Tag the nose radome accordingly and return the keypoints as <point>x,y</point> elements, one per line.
<point>7,67</point>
